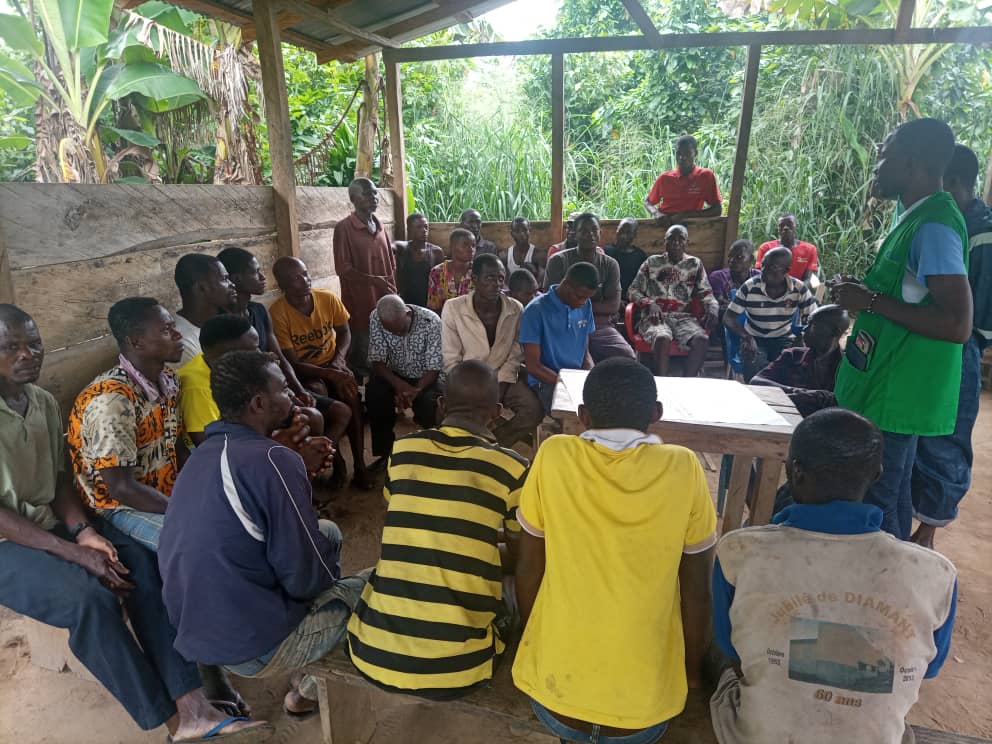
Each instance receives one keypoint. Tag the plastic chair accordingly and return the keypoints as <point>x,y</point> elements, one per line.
<point>637,340</point>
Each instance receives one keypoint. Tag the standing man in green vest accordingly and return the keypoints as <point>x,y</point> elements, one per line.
<point>902,365</point>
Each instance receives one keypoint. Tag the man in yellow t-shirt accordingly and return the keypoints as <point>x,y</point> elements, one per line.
<point>614,524</point>
<point>311,326</point>
<point>219,335</point>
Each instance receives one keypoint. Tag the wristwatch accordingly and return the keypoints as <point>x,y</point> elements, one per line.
<point>75,531</point>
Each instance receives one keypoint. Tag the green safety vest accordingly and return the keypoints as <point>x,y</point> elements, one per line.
<point>904,382</point>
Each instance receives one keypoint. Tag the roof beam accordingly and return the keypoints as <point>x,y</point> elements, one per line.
<point>960,35</point>
<point>640,16</point>
<point>285,19</point>
<point>240,18</point>
<point>331,20</point>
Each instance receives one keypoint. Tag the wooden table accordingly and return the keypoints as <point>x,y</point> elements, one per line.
<point>769,444</point>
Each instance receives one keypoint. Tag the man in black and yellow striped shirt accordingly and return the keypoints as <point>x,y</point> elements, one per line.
<point>426,622</point>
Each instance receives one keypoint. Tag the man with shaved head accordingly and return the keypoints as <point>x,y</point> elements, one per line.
<point>902,365</point>
<point>405,354</point>
<point>471,220</point>
<point>365,262</point>
<point>311,326</point>
<point>830,624</point>
<point>432,620</point>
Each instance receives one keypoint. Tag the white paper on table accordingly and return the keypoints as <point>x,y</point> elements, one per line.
<point>696,399</point>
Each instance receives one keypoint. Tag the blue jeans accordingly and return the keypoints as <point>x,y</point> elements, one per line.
<point>143,527</point>
<point>892,493</point>
<point>942,473</point>
<point>319,633</point>
<point>145,675</point>
<point>649,735</point>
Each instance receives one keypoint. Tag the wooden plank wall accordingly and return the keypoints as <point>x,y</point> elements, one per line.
<point>74,250</point>
<point>706,236</point>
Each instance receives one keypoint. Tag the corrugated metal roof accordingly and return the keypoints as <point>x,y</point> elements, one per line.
<point>398,21</point>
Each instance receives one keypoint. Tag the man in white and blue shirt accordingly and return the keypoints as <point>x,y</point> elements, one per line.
<point>831,624</point>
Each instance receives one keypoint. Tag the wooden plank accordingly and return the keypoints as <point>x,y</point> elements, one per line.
<point>278,124</point>
<point>333,21</point>
<point>959,35</point>
<point>932,736</point>
<point>557,145</point>
<point>244,19</point>
<point>733,506</point>
<point>394,115</point>
<point>743,143</point>
<point>637,13</point>
<point>54,223</point>
<point>368,119</point>
<point>6,282</point>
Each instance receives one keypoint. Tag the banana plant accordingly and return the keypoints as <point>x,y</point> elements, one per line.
<point>78,67</point>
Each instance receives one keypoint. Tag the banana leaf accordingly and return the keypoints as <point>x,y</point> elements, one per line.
<point>159,87</point>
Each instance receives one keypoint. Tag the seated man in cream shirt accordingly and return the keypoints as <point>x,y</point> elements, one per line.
<point>485,325</point>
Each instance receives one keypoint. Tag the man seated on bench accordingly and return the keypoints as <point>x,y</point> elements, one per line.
<point>807,373</point>
<point>772,303</point>
<point>432,620</point>
<point>663,289</point>
<point>206,290</point>
<point>311,326</point>
<point>522,286</point>
<point>405,356</point>
<point>64,567</point>
<point>125,426</point>
<point>219,335</point>
<point>251,578</point>
<point>485,325</point>
<point>613,570</point>
<point>831,624</point>
<point>555,329</point>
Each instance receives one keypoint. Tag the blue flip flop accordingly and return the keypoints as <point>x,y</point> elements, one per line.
<point>256,733</point>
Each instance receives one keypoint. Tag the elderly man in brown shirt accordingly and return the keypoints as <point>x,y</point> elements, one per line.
<point>485,325</point>
<point>365,262</point>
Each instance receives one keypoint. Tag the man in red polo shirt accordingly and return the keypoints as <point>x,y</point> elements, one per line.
<point>680,193</point>
<point>805,261</point>
<point>365,262</point>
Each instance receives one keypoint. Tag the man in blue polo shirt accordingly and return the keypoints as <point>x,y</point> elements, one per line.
<point>556,327</point>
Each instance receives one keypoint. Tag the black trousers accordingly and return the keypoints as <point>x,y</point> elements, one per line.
<point>144,678</point>
<point>380,403</point>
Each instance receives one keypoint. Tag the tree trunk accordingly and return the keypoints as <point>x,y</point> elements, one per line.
<point>368,119</point>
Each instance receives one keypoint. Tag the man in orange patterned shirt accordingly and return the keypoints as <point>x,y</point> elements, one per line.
<point>124,427</point>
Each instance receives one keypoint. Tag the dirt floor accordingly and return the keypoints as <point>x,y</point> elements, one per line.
<point>39,706</point>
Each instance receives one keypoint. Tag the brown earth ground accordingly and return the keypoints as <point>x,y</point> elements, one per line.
<point>39,706</point>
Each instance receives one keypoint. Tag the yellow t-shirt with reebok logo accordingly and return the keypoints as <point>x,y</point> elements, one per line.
<point>310,336</point>
<point>604,642</point>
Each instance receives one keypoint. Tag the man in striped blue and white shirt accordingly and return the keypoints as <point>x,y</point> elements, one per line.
<point>770,304</point>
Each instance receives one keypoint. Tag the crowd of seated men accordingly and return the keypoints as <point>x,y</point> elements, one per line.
<point>181,488</point>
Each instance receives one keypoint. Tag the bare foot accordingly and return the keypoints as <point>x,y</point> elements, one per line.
<point>924,535</point>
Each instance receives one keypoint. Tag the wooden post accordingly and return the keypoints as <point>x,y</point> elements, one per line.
<point>394,113</point>
<point>904,17</point>
<point>368,119</point>
<point>743,142</point>
<point>6,281</point>
<point>557,144</point>
<point>988,182</point>
<point>277,118</point>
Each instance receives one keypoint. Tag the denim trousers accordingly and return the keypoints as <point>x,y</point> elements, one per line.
<point>143,527</point>
<point>892,492</point>
<point>942,472</point>
<point>319,633</point>
<point>145,675</point>
<point>650,735</point>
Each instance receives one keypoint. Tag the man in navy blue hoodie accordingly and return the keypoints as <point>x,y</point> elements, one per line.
<point>251,578</point>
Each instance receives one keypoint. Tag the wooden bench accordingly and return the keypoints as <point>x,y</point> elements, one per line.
<point>498,712</point>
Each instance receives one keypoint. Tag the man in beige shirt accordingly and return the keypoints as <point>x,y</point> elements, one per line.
<point>485,325</point>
